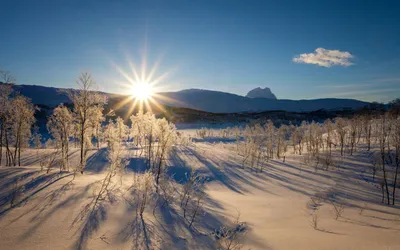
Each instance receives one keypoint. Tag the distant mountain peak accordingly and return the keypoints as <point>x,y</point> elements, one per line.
<point>261,93</point>
<point>201,99</point>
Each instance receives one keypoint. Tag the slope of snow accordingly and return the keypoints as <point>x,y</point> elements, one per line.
<point>275,205</point>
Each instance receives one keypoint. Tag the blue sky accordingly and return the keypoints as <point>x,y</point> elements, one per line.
<point>231,46</point>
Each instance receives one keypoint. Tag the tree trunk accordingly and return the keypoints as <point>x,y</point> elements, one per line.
<point>62,166</point>
<point>67,151</point>
<point>395,175</point>
<point>159,171</point>
<point>19,153</point>
<point>369,138</point>
<point>82,142</point>
<point>98,137</point>
<point>385,178</point>
<point>8,159</point>
<point>16,147</point>
<point>341,146</point>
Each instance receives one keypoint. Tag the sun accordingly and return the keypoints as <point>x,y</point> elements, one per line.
<point>142,87</point>
<point>142,91</point>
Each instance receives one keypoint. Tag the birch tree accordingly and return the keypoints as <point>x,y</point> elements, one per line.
<point>60,127</point>
<point>5,100</point>
<point>341,131</point>
<point>86,103</point>
<point>22,119</point>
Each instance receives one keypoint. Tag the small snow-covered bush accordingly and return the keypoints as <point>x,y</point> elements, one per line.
<point>231,237</point>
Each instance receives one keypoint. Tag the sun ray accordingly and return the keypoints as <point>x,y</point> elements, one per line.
<point>148,106</point>
<point>131,109</point>
<point>160,98</point>
<point>142,83</point>
<point>153,70</point>
<point>123,102</point>
<point>158,105</point>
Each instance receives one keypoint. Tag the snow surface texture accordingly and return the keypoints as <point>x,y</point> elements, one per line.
<point>261,93</point>
<point>274,204</point>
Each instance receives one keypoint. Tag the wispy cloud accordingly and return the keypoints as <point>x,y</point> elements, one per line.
<point>325,58</point>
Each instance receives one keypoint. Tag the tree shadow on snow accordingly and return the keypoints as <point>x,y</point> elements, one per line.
<point>97,162</point>
<point>29,188</point>
<point>137,165</point>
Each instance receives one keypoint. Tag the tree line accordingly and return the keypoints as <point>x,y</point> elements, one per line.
<point>374,130</point>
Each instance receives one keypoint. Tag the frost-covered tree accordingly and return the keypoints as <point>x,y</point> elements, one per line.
<point>367,129</point>
<point>5,107</point>
<point>95,120</point>
<point>382,135</point>
<point>341,131</point>
<point>143,188</point>
<point>270,130</point>
<point>156,136</point>
<point>21,121</point>
<point>136,131</point>
<point>395,114</point>
<point>36,139</point>
<point>329,134</point>
<point>60,127</point>
<point>86,104</point>
<point>299,136</point>
<point>354,131</point>
<point>114,157</point>
<point>166,137</point>
<point>281,140</point>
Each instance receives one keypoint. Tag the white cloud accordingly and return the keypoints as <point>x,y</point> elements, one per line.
<point>325,58</point>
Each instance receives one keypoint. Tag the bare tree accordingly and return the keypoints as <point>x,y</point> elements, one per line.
<point>193,185</point>
<point>231,237</point>
<point>143,185</point>
<point>86,103</point>
<point>196,206</point>
<point>338,209</point>
<point>314,220</point>
<point>6,77</point>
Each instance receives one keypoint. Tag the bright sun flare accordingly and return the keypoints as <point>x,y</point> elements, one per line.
<point>142,91</point>
<point>141,83</point>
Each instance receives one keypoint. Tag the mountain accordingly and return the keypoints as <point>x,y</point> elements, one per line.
<point>42,95</point>
<point>205,100</point>
<point>222,102</point>
<point>261,93</point>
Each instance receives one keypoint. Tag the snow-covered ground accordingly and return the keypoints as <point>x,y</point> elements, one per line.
<point>277,204</point>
